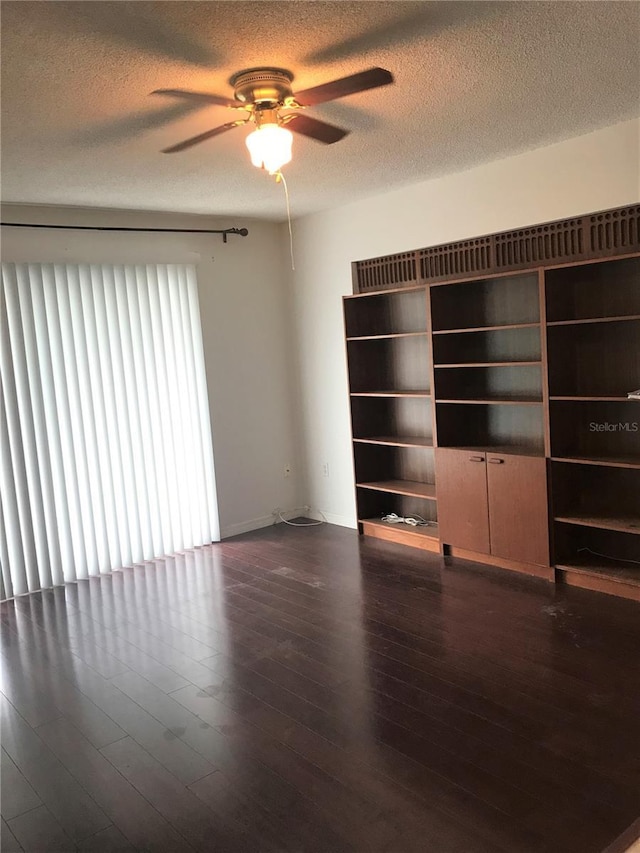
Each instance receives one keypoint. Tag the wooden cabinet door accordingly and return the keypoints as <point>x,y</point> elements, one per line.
<point>461,489</point>
<point>518,513</point>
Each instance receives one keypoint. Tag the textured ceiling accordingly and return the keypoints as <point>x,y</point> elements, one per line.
<point>474,82</point>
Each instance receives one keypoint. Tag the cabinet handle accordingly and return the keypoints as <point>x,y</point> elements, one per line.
<point>476,459</point>
<point>495,461</point>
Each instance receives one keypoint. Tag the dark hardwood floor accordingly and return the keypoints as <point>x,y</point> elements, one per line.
<point>307,690</point>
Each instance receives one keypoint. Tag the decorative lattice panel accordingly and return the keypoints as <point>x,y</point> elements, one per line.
<point>596,235</point>
<point>542,244</point>
<point>388,272</point>
<point>614,231</point>
<point>456,260</point>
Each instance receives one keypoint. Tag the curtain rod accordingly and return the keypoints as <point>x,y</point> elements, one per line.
<point>224,231</point>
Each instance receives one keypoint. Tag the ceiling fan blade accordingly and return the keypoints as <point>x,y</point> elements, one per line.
<point>371,79</point>
<point>320,130</point>
<point>202,97</point>
<point>202,137</point>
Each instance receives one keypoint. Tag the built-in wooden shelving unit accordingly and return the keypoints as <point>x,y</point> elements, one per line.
<point>594,361</point>
<point>488,383</point>
<point>388,347</point>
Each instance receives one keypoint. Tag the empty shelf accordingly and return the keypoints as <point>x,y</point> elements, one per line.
<point>397,440</point>
<point>402,487</point>
<point>623,525</point>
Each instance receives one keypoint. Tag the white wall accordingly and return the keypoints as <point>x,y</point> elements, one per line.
<point>592,172</point>
<point>279,395</point>
<point>244,307</point>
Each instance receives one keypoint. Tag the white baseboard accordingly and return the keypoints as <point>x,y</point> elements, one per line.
<point>334,518</point>
<point>245,526</point>
<point>267,520</point>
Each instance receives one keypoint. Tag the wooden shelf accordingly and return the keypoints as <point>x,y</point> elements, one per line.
<point>593,362</point>
<point>391,393</point>
<point>611,461</point>
<point>402,487</point>
<point>486,328</point>
<point>386,315</point>
<point>621,525</point>
<point>430,531</point>
<point>386,337</point>
<point>390,291</point>
<point>492,348</point>
<point>501,401</point>
<point>426,537</point>
<point>397,440</point>
<point>603,568</point>
<point>591,399</point>
<point>601,293</point>
<point>488,364</point>
<point>618,319</point>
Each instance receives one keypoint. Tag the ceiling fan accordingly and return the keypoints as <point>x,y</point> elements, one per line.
<point>264,93</point>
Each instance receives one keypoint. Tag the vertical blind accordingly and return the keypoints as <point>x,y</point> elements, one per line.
<point>105,439</point>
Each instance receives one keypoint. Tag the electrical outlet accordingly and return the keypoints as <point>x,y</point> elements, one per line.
<point>287,470</point>
<point>325,469</point>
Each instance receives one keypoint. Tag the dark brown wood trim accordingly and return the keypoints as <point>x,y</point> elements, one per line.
<point>599,235</point>
<point>401,537</point>
<point>544,362</point>
<point>489,560</point>
<point>597,583</point>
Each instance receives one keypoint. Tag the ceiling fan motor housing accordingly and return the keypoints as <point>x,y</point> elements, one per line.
<point>262,85</point>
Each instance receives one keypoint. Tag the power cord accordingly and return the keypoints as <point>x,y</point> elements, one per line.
<point>412,520</point>
<point>608,556</point>
<point>278,514</point>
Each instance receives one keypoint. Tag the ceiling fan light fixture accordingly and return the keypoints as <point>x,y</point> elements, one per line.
<point>270,147</point>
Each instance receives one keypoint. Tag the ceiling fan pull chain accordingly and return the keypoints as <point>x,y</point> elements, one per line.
<point>281,177</point>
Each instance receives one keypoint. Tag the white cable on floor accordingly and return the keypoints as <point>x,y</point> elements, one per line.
<point>305,508</point>
<point>306,523</point>
<point>412,520</point>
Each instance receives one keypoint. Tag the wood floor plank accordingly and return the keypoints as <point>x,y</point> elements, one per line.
<point>143,826</point>
<point>175,717</point>
<point>109,840</point>
<point>32,703</point>
<point>69,702</point>
<point>308,690</point>
<point>567,772</point>
<point>414,798</point>
<point>175,755</point>
<point>398,644</point>
<point>454,671</point>
<point>85,649</point>
<point>238,764</point>
<point>136,612</point>
<point>71,806</point>
<point>18,796</point>
<point>466,735</point>
<point>202,828</point>
<point>220,795</point>
<point>39,832</point>
<point>343,734</point>
<point>8,842</point>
